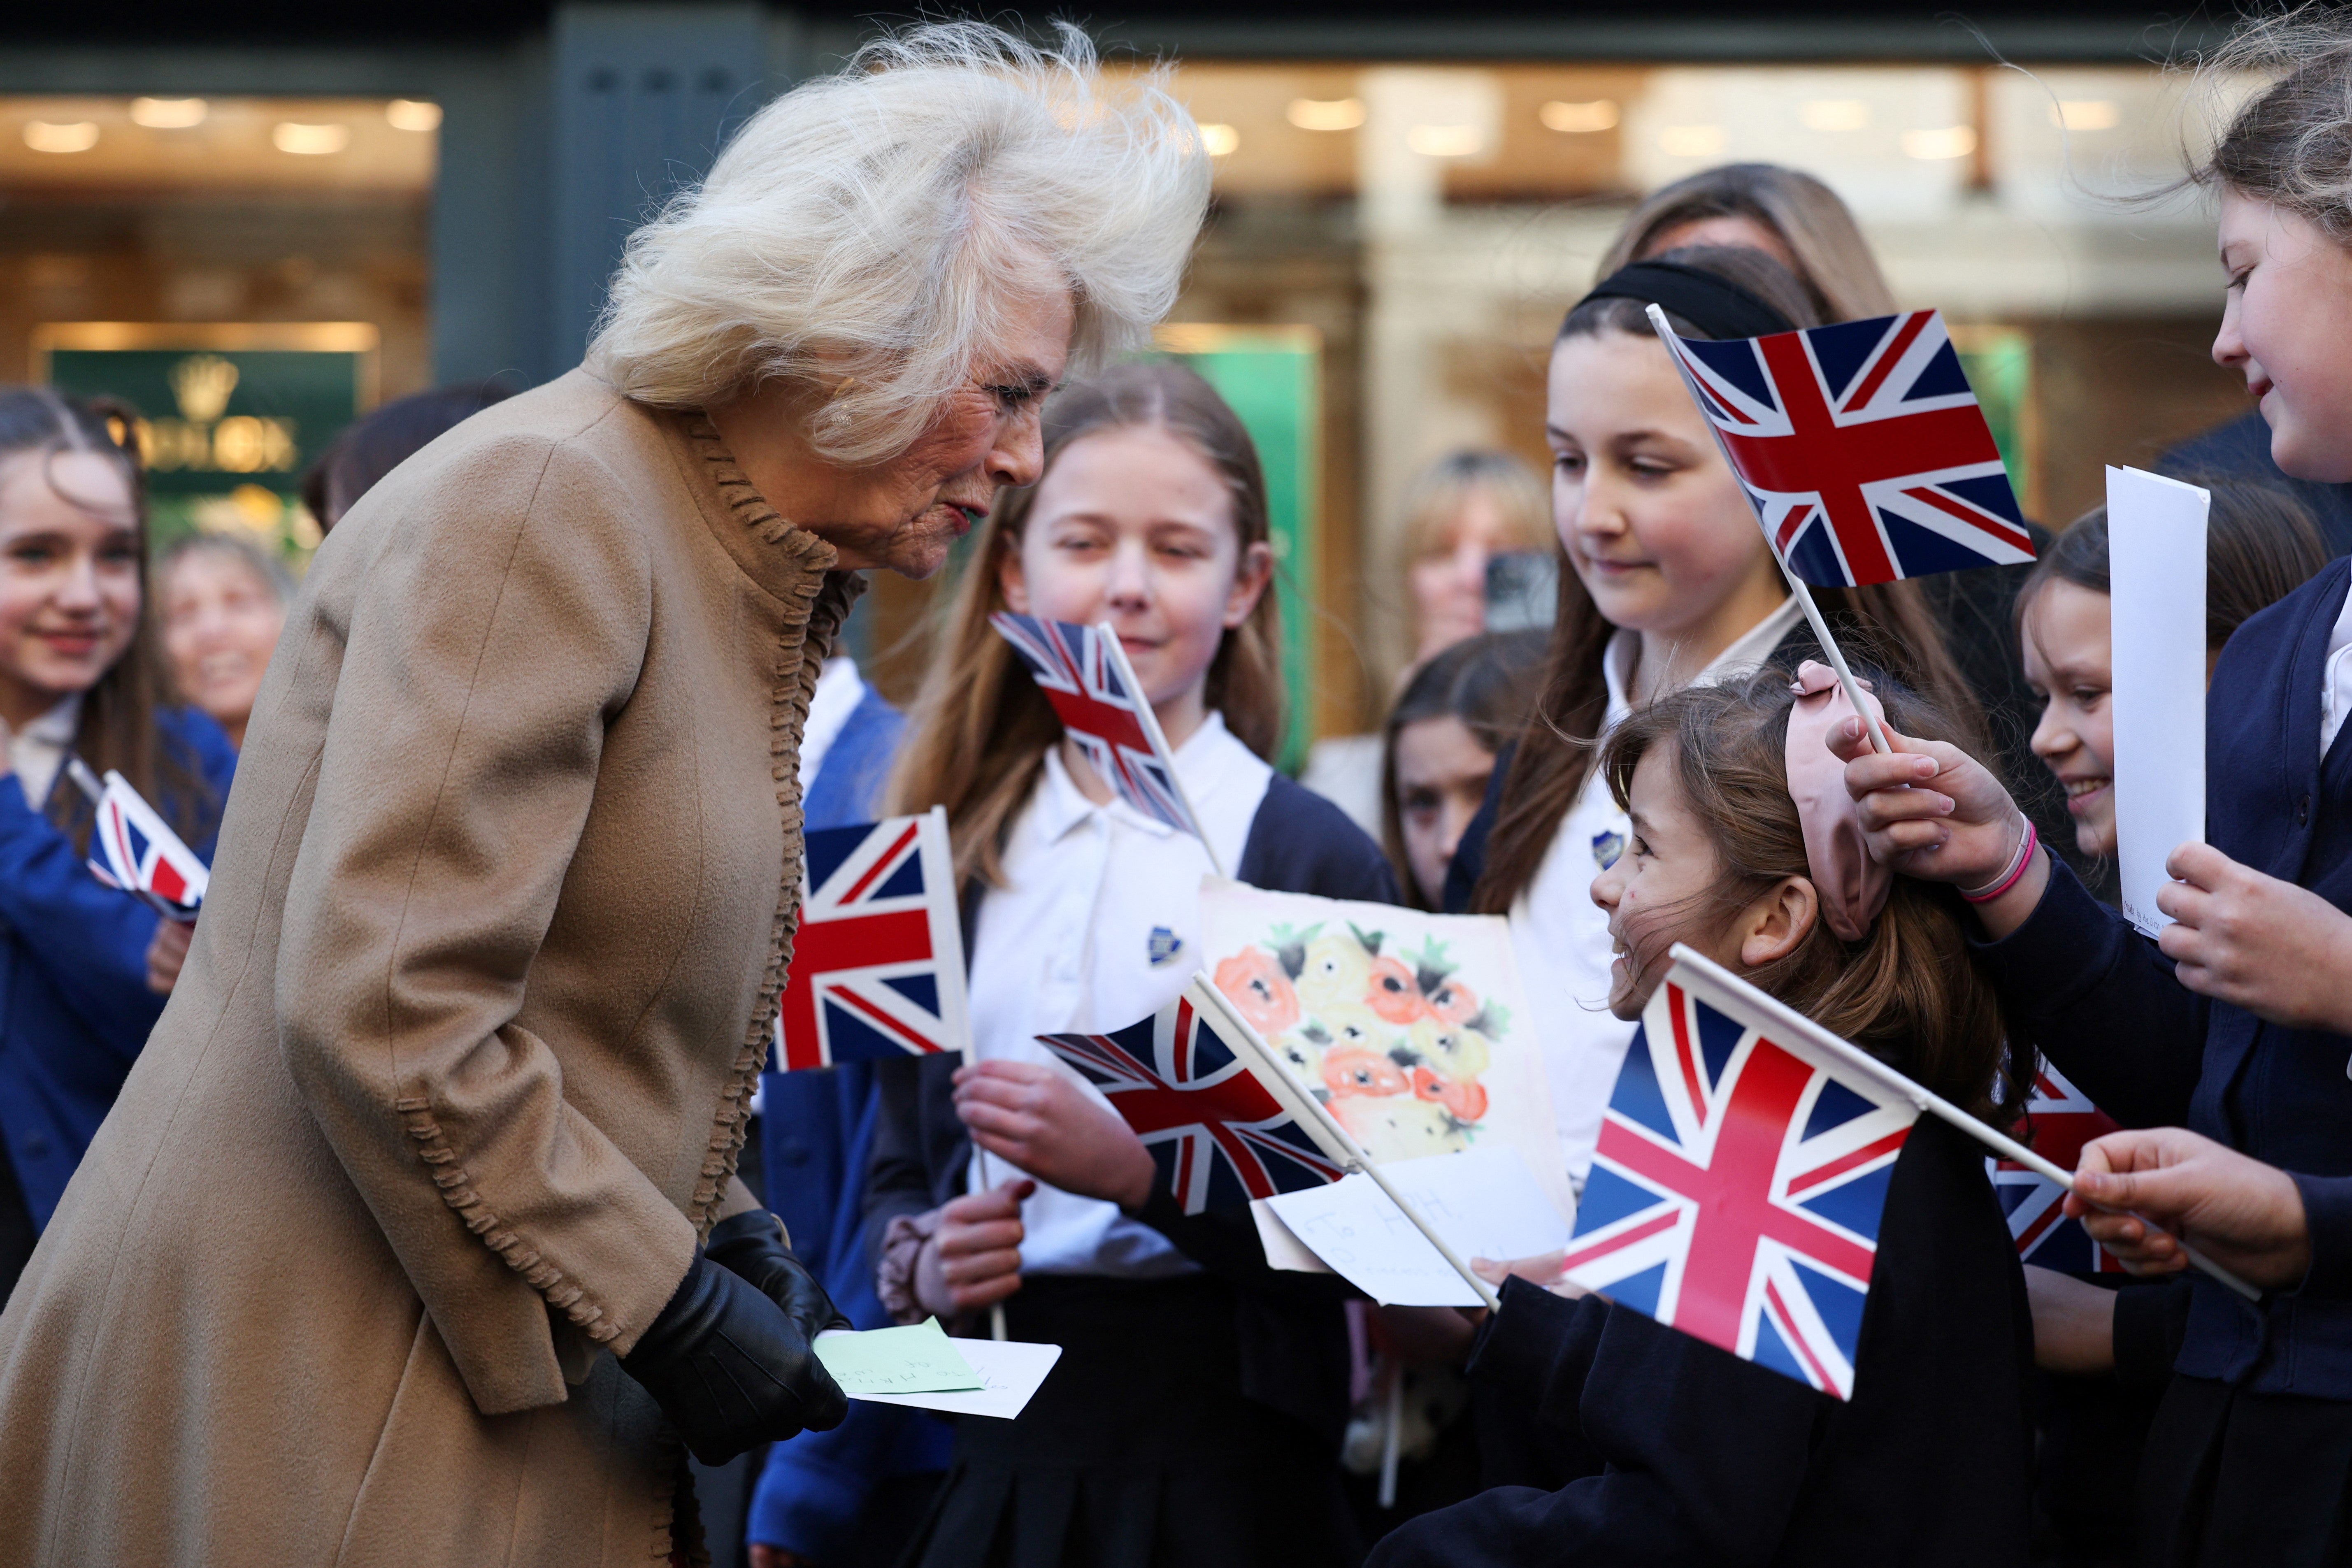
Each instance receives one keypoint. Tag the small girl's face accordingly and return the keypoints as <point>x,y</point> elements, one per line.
<point>2287,316</point>
<point>1133,526</point>
<point>2068,665</point>
<point>1654,521</point>
<point>70,589</point>
<point>221,624</point>
<point>1656,893</point>
<point>1441,781</point>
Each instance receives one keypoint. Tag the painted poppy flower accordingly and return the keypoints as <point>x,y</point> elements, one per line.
<point>1394,994</point>
<point>1253,983</point>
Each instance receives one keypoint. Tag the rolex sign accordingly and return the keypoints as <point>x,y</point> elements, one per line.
<point>220,406</point>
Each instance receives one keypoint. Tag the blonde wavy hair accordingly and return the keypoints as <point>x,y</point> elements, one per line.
<point>864,236</point>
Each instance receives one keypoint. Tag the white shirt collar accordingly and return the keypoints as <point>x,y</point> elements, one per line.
<point>1748,651</point>
<point>838,691</point>
<point>37,752</point>
<point>1210,760</point>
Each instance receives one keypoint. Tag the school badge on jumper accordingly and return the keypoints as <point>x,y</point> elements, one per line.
<point>1606,847</point>
<point>1163,946</point>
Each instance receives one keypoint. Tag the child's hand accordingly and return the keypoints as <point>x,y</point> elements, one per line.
<point>1933,812</point>
<point>2246,1215</point>
<point>973,1260</point>
<point>167,952</point>
<point>1040,1121</point>
<point>2281,953</point>
<point>2073,1324</point>
<point>1544,1269</point>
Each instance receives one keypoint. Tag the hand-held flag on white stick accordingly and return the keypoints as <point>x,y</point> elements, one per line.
<point>1219,1135</point>
<point>1084,673</point>
<point>132,849</point>
<point>877,961</point>
<point>2062,1118</point>
<point>1738,1188</point>
<point>1862,447</point>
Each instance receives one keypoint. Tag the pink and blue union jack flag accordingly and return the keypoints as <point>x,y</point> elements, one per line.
<point>1864,452</point>
<point>132,849</point>
<point>1738,1188</point>
<point>1084,674</point>
<point>1219,1136</point>
<point>2063,1119</point>
<point>877,961</point>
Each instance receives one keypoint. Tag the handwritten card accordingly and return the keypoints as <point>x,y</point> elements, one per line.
<point>1484,1201</point>
<point>1010,1371</point>
<point>919,1359</point>
<point>2155,568</point>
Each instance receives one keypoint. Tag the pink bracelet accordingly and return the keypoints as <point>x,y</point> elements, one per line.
<point>2015,869</point>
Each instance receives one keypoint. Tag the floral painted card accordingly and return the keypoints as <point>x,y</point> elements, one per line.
<point>1412,1028</point>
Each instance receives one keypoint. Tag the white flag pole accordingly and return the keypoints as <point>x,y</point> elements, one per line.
<point>935,827</point>
<point>1729,989</point>
<point>1797,587</point>
<point>1160,746</point>
<point>1352,1154</point>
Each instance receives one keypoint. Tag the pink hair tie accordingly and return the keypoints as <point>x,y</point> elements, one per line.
<point>1852,886</point>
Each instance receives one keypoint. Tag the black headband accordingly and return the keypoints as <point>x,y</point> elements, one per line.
<point>1715,306</point>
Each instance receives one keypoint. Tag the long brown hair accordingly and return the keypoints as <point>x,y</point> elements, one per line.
<point>117,728</point>
<point>1911,991</point>
<point>2290,142</point>
<point>1834,264</point>
<point>980,728</point>
<point>1548,771</point>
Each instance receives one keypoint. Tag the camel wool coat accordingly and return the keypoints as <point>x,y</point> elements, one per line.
<point>457,1071</point>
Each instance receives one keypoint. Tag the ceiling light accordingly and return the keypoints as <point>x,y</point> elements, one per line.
<point>1949,141</point>
<point>1578,118</point>
<point>49,136</point>
<point>1692,141</point>
<point>1834,114</point>
<point>413,114</point>
<point>1220,138</point>
<point>168,113</point>
<point>1445,141</point>
<point>1326,113</point>
<point>310,141</point>
<point>2085,114</point>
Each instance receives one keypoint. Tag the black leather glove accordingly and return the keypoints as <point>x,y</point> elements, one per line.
<point>730,1369</point>
<point>752,1246</point>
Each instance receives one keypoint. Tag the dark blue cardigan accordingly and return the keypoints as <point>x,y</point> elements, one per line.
<point>74,1003</point>
<point>2103,1004</point>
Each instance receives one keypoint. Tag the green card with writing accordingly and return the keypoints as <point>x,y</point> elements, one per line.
<point>916,1360</point>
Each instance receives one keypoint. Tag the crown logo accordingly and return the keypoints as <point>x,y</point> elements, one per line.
<point>202,382</point>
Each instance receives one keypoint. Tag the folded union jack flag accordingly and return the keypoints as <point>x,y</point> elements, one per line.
<point>1737,1191</point>
<point>1862,447</point>
<point>1218,1134</point>
<point>132,849</point>
<point>877,961</point>
<point>2063,1119</point>
<point>1084,673</point>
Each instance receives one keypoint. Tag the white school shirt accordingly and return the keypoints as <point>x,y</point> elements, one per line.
<point>1096,926</point>
<point>1561,936</point>
<point>2335,678</point>
<point>838,690</point>
<point>37,752</point>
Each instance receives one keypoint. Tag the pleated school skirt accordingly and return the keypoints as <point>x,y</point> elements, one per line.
<point>1139,1450</point>
<point>2231,1477</point>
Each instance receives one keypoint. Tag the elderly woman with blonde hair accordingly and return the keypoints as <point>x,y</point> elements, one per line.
<point>415,1236</point>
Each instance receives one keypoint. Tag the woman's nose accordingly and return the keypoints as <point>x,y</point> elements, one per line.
<point>1018,456</point>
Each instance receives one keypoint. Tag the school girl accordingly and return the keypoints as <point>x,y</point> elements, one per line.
<point>1670,582</point>
<point>1439,746</point>
<point>2239,1023</point>
<point>1194,1415</point>
<point>80,678</point>
<point>1664,1449</point>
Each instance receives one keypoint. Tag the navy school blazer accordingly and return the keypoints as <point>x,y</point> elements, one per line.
<point>1294,1341</point>
<point>2102,1001</point>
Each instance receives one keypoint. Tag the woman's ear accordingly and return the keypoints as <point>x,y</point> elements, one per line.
<point>1772,927</point>
<point>1010,581</point>
<point>1250,576</point>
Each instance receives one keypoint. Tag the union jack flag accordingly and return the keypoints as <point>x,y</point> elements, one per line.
<point>877,961</point>
<point>1084,673</point>
<point>1862,447</point>
<point>2063,1119</point>
<point>1218,1134</point>
<point>136,852</point>
<point>1737,1191</point>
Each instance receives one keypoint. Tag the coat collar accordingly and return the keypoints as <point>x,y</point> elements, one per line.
<point>788,561</point>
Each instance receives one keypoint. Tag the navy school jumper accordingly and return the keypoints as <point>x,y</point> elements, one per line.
<point>2102,1001</point>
